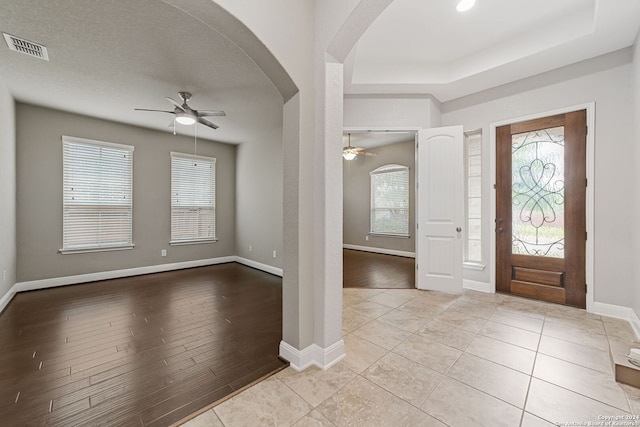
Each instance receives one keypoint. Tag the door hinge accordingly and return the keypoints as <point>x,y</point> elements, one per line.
<point>494,186</point>
<point>585,288</point>
<point>586,237</point>
<point>586,131</point>
<point>417,225</point>
<point>416,266</point>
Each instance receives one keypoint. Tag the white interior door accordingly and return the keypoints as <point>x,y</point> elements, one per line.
<point>440,201</point>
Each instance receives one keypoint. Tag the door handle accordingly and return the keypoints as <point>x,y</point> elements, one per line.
<point>458,229</point>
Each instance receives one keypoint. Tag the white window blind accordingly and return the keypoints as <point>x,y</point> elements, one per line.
<point>390,200</point>
<point>473,149</point>
<point>193,198</point>
<point>97,195</point>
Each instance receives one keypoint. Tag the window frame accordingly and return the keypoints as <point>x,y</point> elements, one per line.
<point>173,240</point>
<point>386,169</point>
<point>127,181</point>
<point>475,264</point>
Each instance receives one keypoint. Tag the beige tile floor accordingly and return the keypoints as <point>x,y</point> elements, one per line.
<point>417,358</point>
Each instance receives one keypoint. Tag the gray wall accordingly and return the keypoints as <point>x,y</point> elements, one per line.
<point>39,195</point>
<point>608,81</point>
<point>7,192</point>
<point>357,196</point>
<point>259,199</point>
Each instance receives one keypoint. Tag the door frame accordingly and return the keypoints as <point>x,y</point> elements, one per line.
<point>408,129</point>
<point>589,208</point>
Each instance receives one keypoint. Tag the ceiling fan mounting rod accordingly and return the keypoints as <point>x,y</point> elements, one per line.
<point>185,96</point>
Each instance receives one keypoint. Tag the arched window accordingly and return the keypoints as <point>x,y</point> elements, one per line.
<point>390,200</point>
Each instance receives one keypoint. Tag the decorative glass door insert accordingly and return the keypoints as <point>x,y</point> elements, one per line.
<point>538,193</point>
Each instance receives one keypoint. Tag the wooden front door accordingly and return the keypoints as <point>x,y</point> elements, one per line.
<point>540,208</point>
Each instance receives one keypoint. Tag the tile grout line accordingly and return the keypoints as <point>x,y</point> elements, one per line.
<point>533,367</point>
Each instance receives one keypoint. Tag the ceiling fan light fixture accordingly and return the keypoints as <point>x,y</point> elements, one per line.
<point>464,5</point>
<point>349,155</point>
<point>185,119</point>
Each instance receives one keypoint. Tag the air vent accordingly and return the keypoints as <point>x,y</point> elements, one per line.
<point>24,46</point>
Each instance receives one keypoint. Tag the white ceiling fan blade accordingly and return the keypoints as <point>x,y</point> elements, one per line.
<point>157,111</point>
<point>207,123</point>
<point>208,113</point>
<point>175,103</point>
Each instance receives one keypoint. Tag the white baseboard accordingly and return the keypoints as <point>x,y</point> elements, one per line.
<point>115,274</point>
<point>478,286</point>
<point>619,312</point>
<point>380,250</point>
<point>258,265</point>
<point>323,358</point>
<point>53,282</point>
<point>6,298</point>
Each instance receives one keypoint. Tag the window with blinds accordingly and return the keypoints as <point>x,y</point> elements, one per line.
<point>97,195</point>
<point>390,200</point>
<point>473,151</point>
<point>193,199</point>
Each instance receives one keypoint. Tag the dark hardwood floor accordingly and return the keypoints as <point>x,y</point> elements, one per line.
<point>371,270</point>
<point>139,351</point>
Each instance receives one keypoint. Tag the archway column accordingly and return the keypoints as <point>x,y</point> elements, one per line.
<point>314,301</point>
<point>328,239</point>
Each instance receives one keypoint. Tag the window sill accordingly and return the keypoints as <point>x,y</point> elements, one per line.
<point>400,236</point>
<point>468,265</point>
<point>89,250</point>
<point>192,242</point>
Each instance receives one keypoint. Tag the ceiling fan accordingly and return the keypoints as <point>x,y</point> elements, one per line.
<point>186,115</point>
<point>350,153</point>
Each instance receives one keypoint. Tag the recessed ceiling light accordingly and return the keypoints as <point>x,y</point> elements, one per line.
<point>465,5</point>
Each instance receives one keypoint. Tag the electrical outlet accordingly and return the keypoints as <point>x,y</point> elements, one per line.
<point>250,248</point>
<point>163,252</point>
<point>275,254</point>
<point>366,237</point>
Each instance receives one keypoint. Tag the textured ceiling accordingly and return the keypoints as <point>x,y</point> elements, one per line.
<point>108,57</point>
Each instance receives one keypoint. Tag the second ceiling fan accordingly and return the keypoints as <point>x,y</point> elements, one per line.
<point>186,115</point>
<point>350,153</point>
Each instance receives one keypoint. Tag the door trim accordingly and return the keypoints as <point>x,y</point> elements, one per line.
<point>590,208</point>
<point>408,129</point>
